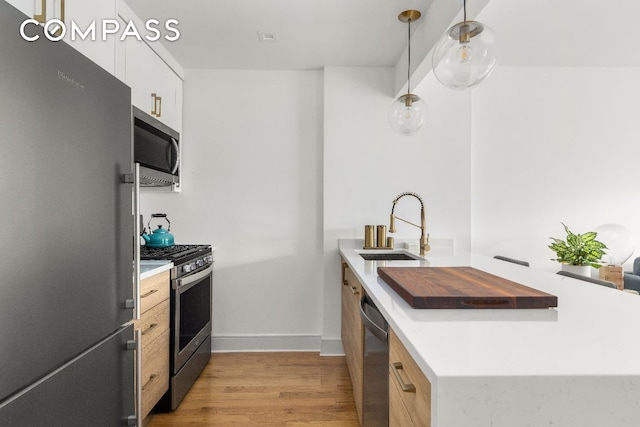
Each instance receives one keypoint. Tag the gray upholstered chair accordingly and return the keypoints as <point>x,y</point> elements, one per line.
<point>632,278</point>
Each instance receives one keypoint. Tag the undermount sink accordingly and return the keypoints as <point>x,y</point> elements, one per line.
<point>388,256</point>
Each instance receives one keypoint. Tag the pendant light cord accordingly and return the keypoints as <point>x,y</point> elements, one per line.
<point>464,7</point>
<point>409,60</point>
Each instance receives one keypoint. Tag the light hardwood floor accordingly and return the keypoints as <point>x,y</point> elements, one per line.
<point>267,389</point>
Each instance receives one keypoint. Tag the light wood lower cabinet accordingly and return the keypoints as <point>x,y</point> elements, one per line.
<point>409,389</point>
<point>154,327</point>
<point>352,333</point>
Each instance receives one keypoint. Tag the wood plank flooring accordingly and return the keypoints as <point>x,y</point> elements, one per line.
<point>267,389</point>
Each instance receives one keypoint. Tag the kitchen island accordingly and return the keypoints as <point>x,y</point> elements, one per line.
<point>576,365</point>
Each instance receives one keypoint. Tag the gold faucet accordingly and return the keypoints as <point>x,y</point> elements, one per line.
<point>424,237</point>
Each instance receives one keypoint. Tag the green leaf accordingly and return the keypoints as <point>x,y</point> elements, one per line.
<point>579,249</point>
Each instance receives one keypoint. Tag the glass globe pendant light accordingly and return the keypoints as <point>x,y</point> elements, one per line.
<point>465,55</point>
<point>409,112</point>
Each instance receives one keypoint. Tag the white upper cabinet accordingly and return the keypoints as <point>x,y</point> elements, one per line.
<point>88,17</point>
<point>154,76</point>
<point>155,88</point>
<point>146,66</point>
<point>28,7</point>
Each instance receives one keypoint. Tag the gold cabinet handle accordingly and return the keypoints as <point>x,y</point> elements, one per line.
<point>150,328</point>
<point>152,378</point>
<point>354,290</point>
<point>407,388</point>
<point>42,18</point>
<point>151,292</point>
<point>157,105</point>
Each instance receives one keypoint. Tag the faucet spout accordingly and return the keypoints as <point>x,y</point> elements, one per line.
<point>424,237</point>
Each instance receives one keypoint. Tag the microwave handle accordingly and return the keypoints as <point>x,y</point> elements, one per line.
<point>175,146</point>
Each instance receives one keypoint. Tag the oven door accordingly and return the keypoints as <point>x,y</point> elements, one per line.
<point>192,315</point>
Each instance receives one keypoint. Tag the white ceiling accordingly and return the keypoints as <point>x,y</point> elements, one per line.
<point>314,33</point>
<point>311,33</point>
<point>573,33</point>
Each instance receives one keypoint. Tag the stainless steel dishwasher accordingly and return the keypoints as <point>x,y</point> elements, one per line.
<point>376,365</point>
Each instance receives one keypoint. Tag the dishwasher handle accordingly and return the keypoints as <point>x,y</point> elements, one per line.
<point>377,330</point>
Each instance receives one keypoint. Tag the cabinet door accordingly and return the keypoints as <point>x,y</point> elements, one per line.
<point>352,332</point>
<point>409,389</point>
<point>155,88</point>
<point>155,371</point>
<point>28,7</point>
<point>154,327</point>
<point>85,13</point>
<point>170,89</point>
<point>94,389</point>
<point>398,415</point>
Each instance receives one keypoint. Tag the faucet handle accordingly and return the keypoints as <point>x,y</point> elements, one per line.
<point>424,245</point>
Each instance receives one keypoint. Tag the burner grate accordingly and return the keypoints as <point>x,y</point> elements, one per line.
<point>171,253</point>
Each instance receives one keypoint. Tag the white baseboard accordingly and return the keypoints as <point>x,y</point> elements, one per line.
<point>257,343</point>
<point>331,347</point>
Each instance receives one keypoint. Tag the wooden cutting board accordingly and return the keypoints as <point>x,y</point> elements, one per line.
<point>461,287</point>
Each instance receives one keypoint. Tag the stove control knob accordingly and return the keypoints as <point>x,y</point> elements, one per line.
<point>187,268</point>
<point>200,262</point>
<point>209,258</point>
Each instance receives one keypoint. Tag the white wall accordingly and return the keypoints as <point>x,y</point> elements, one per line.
<point>366,165</point>
<point>551,145</point>
<point>251,187</point>
<point>279,165</point>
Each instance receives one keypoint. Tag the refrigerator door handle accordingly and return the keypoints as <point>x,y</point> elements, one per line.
<point>136,237</point>
<point>135,180</point>
<point>138,335</point>
<point>136,344</point>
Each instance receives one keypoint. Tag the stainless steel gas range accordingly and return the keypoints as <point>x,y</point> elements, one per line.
<point>190,344</point>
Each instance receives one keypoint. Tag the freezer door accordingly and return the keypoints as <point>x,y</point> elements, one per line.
<point>95,389</point>
<point>66,246</point>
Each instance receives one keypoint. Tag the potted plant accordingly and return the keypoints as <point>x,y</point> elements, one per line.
<point>579,252</point>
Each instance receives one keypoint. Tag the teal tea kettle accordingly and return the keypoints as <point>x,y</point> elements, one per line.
<point>159,238</point>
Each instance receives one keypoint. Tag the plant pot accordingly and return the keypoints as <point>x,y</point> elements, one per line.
<point>583,270</point>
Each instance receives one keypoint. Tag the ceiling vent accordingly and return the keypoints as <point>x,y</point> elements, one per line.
<point>267,37</point>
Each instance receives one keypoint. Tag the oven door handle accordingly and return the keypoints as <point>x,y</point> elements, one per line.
<point>193,278</point>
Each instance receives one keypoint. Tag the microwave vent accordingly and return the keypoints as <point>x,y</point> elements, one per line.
<point>153,178</point>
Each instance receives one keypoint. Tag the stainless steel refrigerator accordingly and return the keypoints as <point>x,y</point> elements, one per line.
<point>67,237</point>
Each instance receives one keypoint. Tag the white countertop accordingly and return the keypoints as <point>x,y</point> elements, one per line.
<point>575,365</point>
<point>150,268</point>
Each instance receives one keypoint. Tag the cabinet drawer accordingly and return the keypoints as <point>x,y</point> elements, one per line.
<point>153,322</point>
<point>154,290</point>
<point>155,371</point>
<point>403,370</point>
<point>398,414</point>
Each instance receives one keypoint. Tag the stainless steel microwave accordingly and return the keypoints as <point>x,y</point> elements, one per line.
<point>157,148</point>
